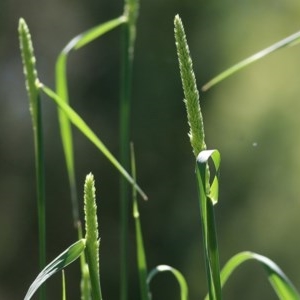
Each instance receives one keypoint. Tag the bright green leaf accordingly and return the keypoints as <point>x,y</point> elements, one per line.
<point>59,263</point>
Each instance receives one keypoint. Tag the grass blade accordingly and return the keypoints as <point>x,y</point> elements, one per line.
<point>179,277</point>
<point>62,90</point>
<point>85,129</point>
<point>291,40</point>
<point>131,10</point>
<point>94,33</point>
<point>59,263</point>
<point>92,236</point>
<point>30,72</point>
<point>281,284</point>
<point>208,196</point>
<point>140,249</point>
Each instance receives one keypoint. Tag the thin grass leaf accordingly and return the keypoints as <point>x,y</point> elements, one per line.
<point>281,284</point>
<point>291,40</point>
<point>62,90</point>
<point>59,263</point>
<point>97,31</point>
<point>31,79</point>
<point>208,197</point>
<point>140,249</point>
<point>85,129</point>
<point>179,277</point>
<point>131,10</point>
<point>191,94</point>
<point>92,236</point>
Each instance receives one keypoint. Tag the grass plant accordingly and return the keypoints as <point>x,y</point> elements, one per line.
<point>207,167</point>
<point>31,79</point>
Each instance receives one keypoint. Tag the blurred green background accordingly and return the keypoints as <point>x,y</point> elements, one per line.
<point>252,118</point>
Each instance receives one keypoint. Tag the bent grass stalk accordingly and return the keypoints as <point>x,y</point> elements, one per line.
<point>30,72</point>
<point>76,43</point>
<point>178,276</point>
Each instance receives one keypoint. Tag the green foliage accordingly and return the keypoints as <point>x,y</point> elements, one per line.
<point>207,170</point>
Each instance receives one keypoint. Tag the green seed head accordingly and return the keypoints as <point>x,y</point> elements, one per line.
<point>29,65</point>
<point>190,90</point>
<point>90,209</point>
<point>92,236</point>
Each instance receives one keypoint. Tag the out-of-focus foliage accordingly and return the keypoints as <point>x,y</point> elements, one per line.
<point>252,118</point>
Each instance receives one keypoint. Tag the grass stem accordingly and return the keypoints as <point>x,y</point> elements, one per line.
<point>128,41</point>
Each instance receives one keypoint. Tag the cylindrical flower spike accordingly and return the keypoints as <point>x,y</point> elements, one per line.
<point>191,93</point>
<point>92,235</point>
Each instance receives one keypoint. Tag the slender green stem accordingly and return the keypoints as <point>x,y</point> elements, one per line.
<point>40,174</point>
<point>31,79</point>
<point>140,249</point>
<point>128,40</point>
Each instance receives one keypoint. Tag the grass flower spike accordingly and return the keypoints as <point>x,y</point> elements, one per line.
<point>191,93</point>
<point>29,67</point>
<point>92,236</point>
